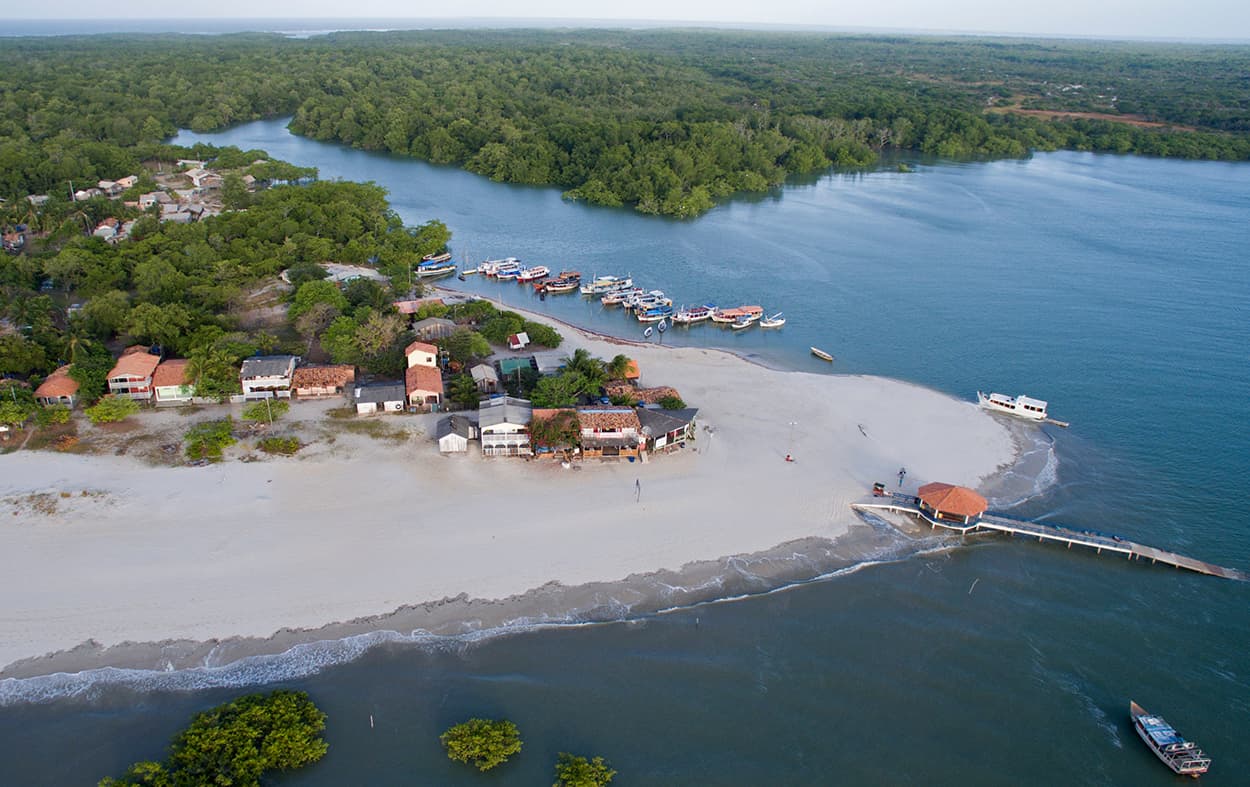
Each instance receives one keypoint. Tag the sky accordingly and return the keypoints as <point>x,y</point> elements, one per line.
<point>1199,19</point>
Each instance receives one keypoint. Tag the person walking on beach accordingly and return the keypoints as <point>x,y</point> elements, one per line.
<point>637,489</point>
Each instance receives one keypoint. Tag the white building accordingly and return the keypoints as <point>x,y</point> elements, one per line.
<point>504,426</point>
<point>267,376</point>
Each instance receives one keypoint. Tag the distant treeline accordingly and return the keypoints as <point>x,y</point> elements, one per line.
<point>665,121</point>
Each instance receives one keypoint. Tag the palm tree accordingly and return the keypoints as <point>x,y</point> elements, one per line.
<point>590,367</point>
<point>618,367</point>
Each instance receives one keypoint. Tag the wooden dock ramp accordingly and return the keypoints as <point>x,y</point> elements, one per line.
<point>1100,542</point>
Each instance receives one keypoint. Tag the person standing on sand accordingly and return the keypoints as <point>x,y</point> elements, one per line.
<point>902,473</point>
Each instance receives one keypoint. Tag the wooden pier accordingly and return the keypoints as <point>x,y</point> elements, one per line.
<point>1100,542</point>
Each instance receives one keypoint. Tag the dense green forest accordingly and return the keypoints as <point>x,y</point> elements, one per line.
<point>665,121</point>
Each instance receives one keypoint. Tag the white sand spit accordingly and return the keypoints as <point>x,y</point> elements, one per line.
<point>249,548</point>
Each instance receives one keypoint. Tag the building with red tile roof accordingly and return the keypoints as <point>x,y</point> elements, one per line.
<point>424,385</point>
<point>59,388</point>
<point>170,384</point>
<point>131,377</point>
<point>421,354</point>
<point>312,381</point>
<point>947,501</point>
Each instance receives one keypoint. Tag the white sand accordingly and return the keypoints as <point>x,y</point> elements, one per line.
<point>247,549</point>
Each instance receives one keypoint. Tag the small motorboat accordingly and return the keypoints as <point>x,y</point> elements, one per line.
<point>821,354</point>
<point>776,321</point>
<point>533,274</point>
<point>1182,756</point>
<point>742,322</point>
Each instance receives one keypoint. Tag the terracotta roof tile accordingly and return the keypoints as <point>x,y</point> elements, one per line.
<point>172,372</point>
<point>950,499</point>
<point>423,378</point>
<point>135,362</point>
<point>59,383</point>
<point>648,395</point>
<point>335,376</point>
<point>608,419</point>
<point>420,347</point>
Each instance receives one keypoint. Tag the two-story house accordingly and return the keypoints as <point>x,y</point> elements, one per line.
<point>131,376</point>
<point>267,376</point>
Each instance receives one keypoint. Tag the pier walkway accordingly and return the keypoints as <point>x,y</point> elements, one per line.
<point>904,504</point>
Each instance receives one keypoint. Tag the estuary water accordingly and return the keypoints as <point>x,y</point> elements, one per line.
<point>1115,287</point>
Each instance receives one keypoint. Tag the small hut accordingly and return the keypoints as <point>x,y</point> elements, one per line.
<point>946,503</point>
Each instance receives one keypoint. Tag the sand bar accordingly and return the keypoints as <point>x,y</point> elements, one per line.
<point>248,549</point>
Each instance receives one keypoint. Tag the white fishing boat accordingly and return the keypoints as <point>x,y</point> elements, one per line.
<point>620,296</point>
<point>440,266</point>
<point>776,321</point>
<point>491,267</point>
<point>533,274</point>
<point>742,323</point>
<point>654,314</point>
<point>509,271</point>
<point>1182,756</point>
<point>821,354</point>
<point>1020,406</point>
<point>603,284</point>
<point>694,314</point>
<point>444,257</point>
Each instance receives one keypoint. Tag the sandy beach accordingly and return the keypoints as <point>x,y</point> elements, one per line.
<point>123,552</point>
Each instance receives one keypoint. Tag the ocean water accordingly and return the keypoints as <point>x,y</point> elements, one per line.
<point>1115,287</point>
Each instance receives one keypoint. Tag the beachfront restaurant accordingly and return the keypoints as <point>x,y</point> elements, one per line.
<point>950,506</point>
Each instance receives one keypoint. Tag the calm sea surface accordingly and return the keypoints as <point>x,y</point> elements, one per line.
<point>1115,287</point>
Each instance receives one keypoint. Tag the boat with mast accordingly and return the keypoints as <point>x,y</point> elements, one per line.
<point>1182,756</point>
<point>776,321</point>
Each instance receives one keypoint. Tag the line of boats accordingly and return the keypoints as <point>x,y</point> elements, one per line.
<point>647,306</point>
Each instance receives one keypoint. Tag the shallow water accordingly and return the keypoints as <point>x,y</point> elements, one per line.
<point>1115,287</point>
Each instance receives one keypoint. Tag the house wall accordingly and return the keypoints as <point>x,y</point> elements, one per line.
<point>169,394</point>
<point>68,401</point>
<point>419,358</point>
<point>453,443</point>
<point>130,387</point>
<point>267,387</point>
<point>506,440</point>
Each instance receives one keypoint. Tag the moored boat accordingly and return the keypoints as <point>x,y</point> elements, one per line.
<point>619,296</point>
<point>1020,406</point>
<point>444,257</point>
<point>821,354</point>
<point>603,284</point>
<point>654,314</point>
<point>533,274</point>
<point>509,271</point>
<point>694,314</point>
<point>567,281</point>
<point>742,323</point>
<point>1182,756</point>
<point>491,267</point>
<point>435,267</point>
<point>776,321</point>
<point>730,316</point>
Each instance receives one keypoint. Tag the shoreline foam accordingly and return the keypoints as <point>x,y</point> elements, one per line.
<point>224,564</point>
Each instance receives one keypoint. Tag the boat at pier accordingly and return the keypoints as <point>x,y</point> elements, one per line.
<point>620,296</point>
<point>1182,756</point>
<point>694,314</point>
<point>604,284</point>
<point>744,321</point>
<point>776,321</point>
<point>1020,406</point>
<point>647,300</point>
<point>492,267</point>
<point>440,266</point>
<point>508,271</point>
<point>654,313</point>
<point>533,274</point>
<point>730,316</point>
<point>567,281</point>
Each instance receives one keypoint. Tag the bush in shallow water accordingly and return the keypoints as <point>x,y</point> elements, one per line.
<point>237,743</point>
<point>484,743</point>
<point>574,771</point>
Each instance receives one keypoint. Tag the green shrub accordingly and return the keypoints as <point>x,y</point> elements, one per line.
<point>574,771</point>
<point>285,446</point>
<point>267,410</point>
<point>207,440</point>
<point>672,403</point>
<point>49,416</point>
<point>112,409</point>
<point>545,335</point>
<point>484,743</point>
<point>238,743</point>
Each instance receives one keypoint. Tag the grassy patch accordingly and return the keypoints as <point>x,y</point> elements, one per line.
<point>53,437</point>
<point>377,428</point>
<point>282,446</point>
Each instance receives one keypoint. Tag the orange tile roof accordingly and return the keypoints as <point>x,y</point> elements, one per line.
<point>59,383</point>
<point>172,372</point>
<point>412,307</point>
<point>632,373</point>
<point>421,346</point>
<point>610,419</point>
<point>323,376</point>
<point>135,362</point>
<point>423,378</point>
<point>951,499</point>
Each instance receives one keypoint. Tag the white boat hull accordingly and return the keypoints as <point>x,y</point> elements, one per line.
<point>1018,406</point>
